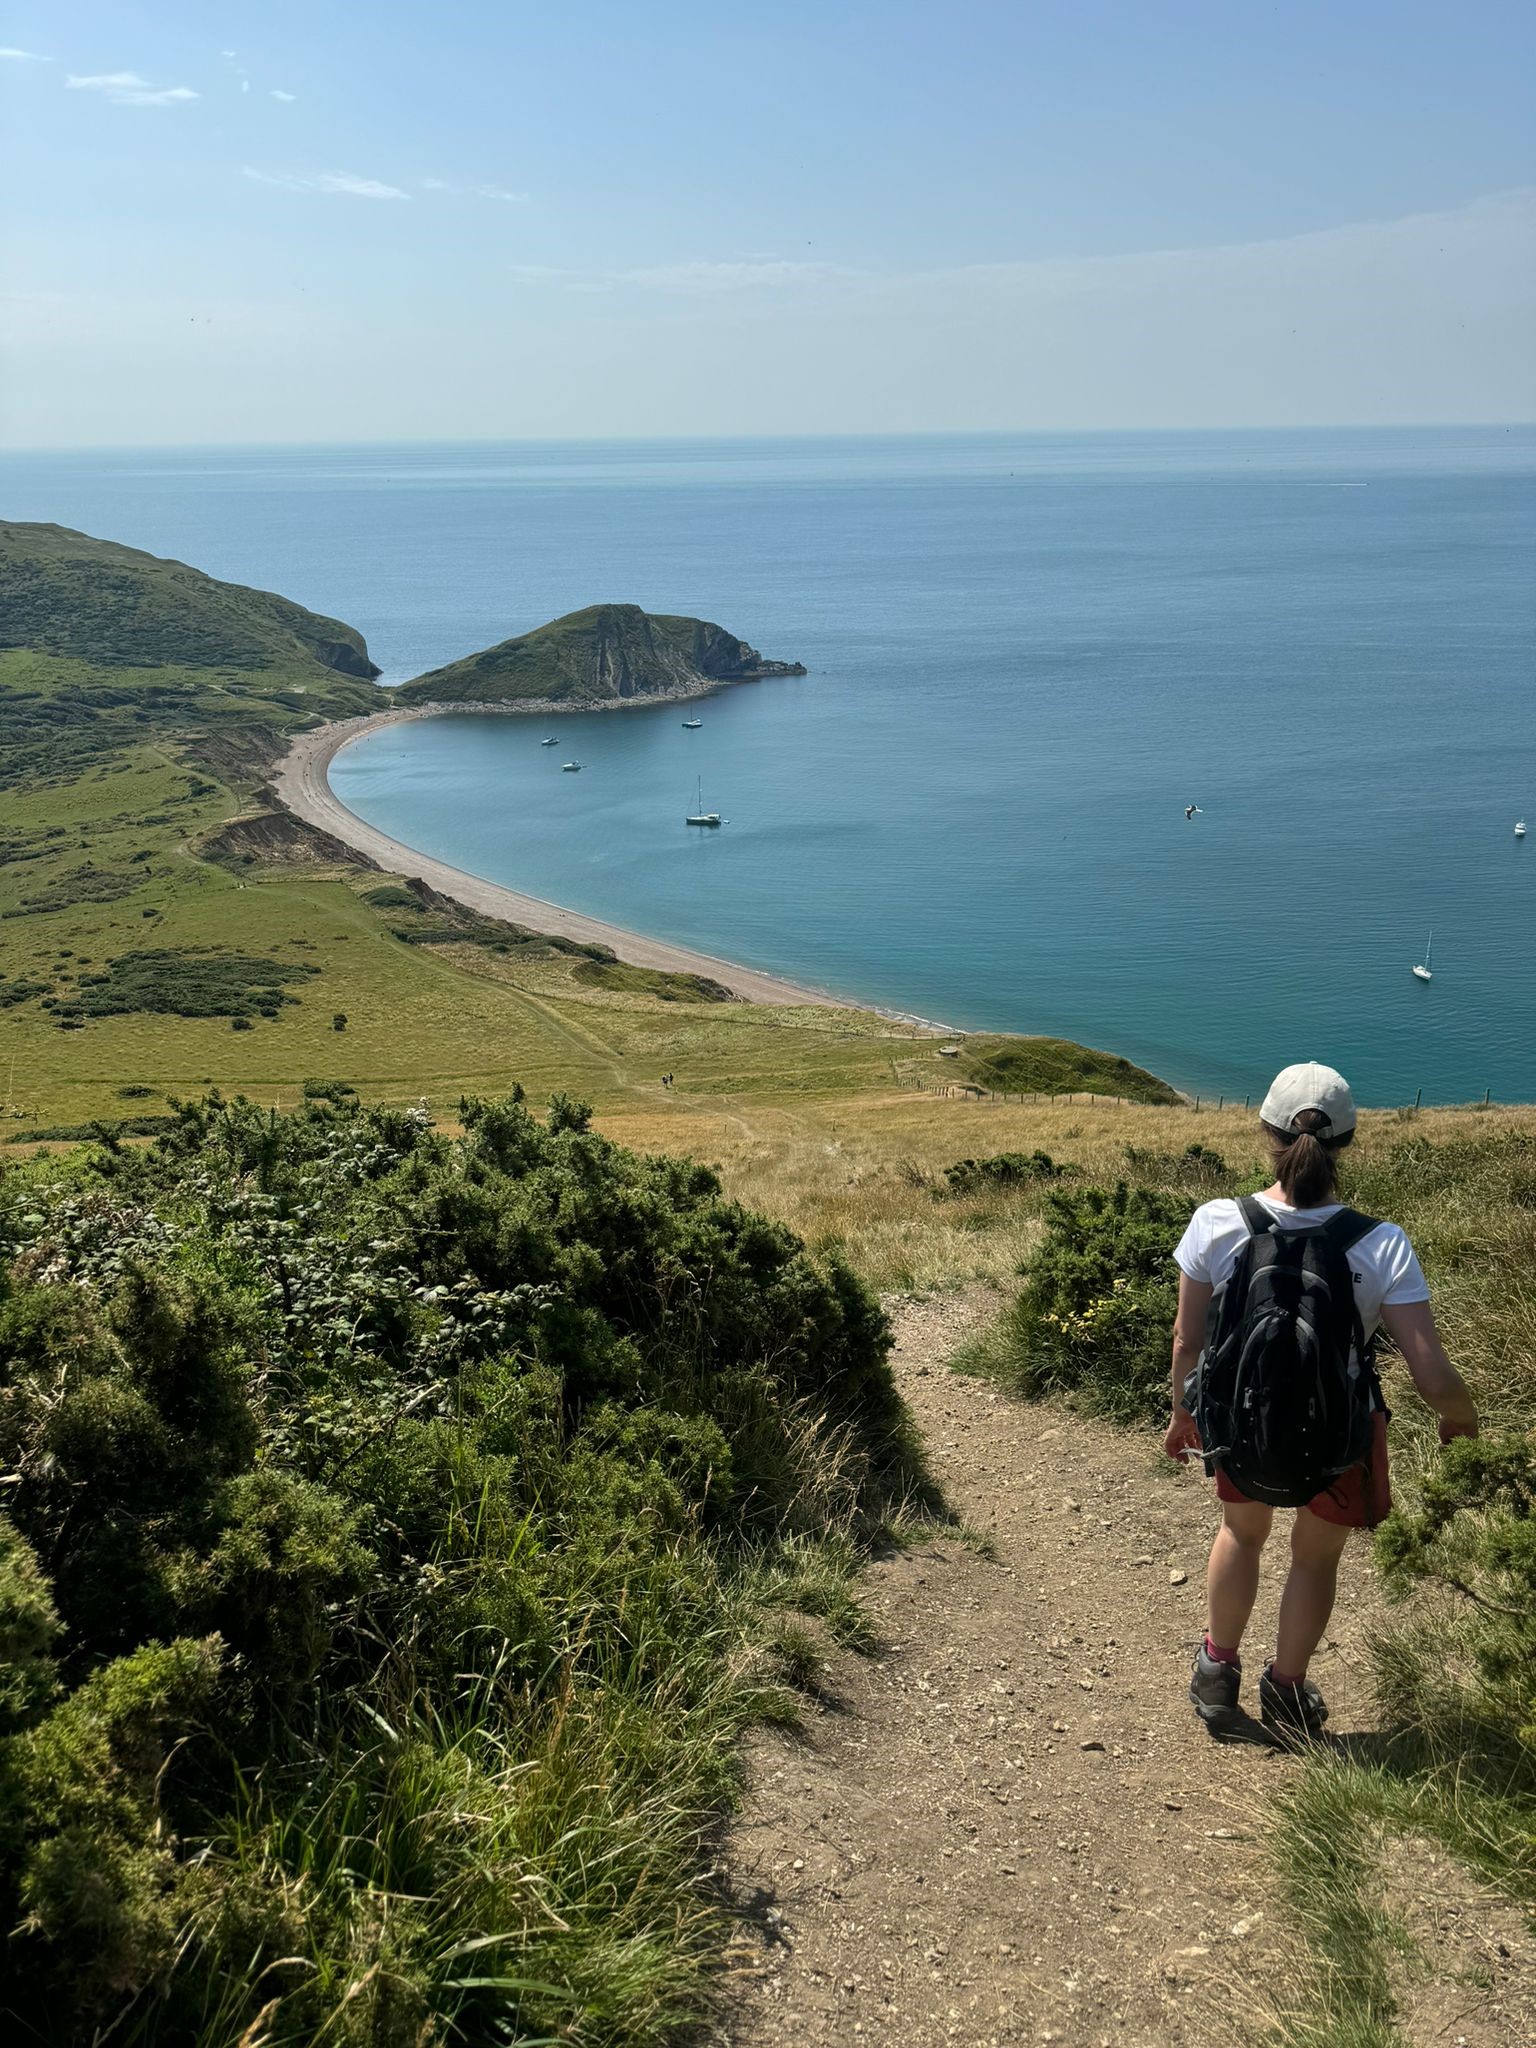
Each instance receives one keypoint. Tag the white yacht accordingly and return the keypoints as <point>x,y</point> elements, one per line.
<point>1519,828</point>
<point>701,816</point>
<point>1423,970</point>
<point>550,742</point>
<point>570,767</point>
<point>692,724</point>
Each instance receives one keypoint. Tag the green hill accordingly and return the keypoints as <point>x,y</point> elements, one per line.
<point>609,653</point>
<point>1055,1066</point>
<point>103,648</point>
<point>63,593</point>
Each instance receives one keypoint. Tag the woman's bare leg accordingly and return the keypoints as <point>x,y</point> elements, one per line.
<point>1232,1576</point>
<point>1307,1602</point>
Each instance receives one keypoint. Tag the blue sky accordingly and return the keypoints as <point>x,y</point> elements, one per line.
<point>283,222</point>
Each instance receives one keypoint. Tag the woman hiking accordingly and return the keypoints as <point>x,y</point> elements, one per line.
<point>1274,1385</point>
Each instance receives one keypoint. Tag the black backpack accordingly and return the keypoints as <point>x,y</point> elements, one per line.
<point>1277,1406</point>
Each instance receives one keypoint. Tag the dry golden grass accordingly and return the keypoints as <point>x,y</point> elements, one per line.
<point>863,1172</point>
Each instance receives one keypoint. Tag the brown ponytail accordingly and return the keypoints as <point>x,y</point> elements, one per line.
<point>1306,1162</point>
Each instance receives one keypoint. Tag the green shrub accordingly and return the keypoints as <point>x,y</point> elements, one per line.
<point>377,1607</point>
<point>1198,1168</point>
<point>203,983</point>
<point>1095,1317</point>
<point>329,1091</point>
<point>1004,1169</point>
<point>1474,1532</point>
<point>28,1628</point>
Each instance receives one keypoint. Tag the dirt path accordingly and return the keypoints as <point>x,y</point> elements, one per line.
<point>1007,1826</point>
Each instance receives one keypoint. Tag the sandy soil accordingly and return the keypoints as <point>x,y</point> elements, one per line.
<point>1007,1826</point>
<point>301,783</point>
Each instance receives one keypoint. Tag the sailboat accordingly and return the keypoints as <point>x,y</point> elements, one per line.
<point>1422,970</point>
<point>570,767</point>
<point>1519,828</point>
<point>701,816</point>
<point>692,724</point>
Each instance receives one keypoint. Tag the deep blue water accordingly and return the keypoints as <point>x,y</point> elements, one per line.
<point>1026,655</point>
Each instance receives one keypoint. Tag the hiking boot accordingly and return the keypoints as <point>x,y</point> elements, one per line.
<point>1295,1713</point>
<point>1213,1689</point>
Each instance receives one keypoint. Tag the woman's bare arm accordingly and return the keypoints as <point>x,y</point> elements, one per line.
<point>1411,1326</point>
<point>1188,1343</point>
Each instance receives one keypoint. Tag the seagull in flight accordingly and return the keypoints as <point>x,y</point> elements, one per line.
<point>1192,811</point>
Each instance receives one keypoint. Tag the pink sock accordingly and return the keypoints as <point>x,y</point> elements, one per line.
<point>1220,1656</point>
<point>1279,1678</point>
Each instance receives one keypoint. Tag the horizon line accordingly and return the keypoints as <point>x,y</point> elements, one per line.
<point>25,448</point>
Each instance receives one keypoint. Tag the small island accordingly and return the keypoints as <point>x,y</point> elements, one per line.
<point>607,654</point>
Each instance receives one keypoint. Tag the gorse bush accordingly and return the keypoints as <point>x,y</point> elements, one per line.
<point>387,1520</point>
<point>201,983</point>
<point>1003,1169</point>
<point>1198,1168</point>
<point>1474,1533</point>
<point>1095,1315</point>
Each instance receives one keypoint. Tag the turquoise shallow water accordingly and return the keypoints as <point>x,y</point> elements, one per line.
<point>1026,655</point>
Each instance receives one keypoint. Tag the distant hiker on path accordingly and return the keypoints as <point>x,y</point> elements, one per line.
<point>1274,1385</point>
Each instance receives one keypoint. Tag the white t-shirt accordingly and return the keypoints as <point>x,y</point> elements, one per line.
<point>1385,1268</point>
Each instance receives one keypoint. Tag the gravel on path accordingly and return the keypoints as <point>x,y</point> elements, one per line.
<point>1006,1825</point>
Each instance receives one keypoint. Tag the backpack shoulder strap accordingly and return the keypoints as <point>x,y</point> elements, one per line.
<point>1346,1229</point>
<point>1256,1216</point>
<point>1341,1233</point>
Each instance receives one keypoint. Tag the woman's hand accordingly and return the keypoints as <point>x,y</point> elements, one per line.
<point>1183,1439</point>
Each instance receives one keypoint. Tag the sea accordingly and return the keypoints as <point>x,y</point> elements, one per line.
<point>1027,656</point>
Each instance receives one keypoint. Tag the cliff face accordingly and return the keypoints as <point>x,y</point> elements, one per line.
<point>609,653</point>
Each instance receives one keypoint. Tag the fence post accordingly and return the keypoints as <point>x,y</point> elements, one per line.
<point>1418,1097</point>
<point>1245,1102</point>
<point>1487,1092</point>
<point>1197,1102</point>
<point>1221,1102</point>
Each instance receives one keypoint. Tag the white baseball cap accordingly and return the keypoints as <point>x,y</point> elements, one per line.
<point>1310,1086</point>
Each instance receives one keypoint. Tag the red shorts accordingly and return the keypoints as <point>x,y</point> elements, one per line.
<point>1358,1498</point>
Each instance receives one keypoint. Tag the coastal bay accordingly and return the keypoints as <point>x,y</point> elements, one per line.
<point>302,781</point>
<point>1027,654</point>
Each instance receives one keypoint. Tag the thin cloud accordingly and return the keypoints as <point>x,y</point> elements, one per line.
<point>345,184</point>
<point>771,273</point>
<point>127,89</point>
<point>23,57</point>
<point>498,192</point>
<point>287,98</point>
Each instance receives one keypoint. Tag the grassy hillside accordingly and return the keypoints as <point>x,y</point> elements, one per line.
<point>609,653</point>
<point>163,929</point>
<point>65,594</point>
<point>1054,1066</point>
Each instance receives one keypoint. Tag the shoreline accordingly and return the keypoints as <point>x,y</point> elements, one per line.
<point>302,783</point>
